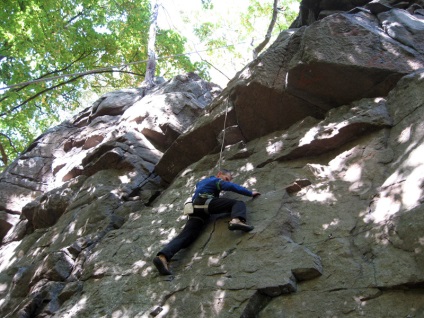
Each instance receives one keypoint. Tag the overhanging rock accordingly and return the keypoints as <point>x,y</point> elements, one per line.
<point>347,57</point>
<point>305,73</point>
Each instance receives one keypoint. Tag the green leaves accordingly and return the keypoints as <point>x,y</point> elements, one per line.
<point>59,40</point>
<point>49,38</point>
<point>230,31</point>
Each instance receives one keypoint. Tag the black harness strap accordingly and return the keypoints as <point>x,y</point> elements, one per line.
<point>203,206</point>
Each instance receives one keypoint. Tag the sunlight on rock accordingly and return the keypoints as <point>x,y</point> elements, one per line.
<point>360,187</point>
<point>190,181</point>
<point>15,203</point>
<point>162,208</point>
<point>186,172</point>
<point>36,251</point>
<point>171,233</point>
<point>320,171</point>
<point>396,177</point>
<point>419,250</point>
<point>247,167</point>
<point>119,314</point>
<point>73,311</point>
<point>213,261</point>
<point>71,227</point>
<point>250,182</point>
<point>309,136</point>
<point>414,65</point>
<point>412,189</point>
<point>405,135</point>
<point>134,216</point>
<point>146,271</point>
<point>182,217</point>
<point>218,303</point>
<point>316,194</point>
<point>274,147</point>
<point>55,237</point>
<point>416,157</point>
<point>7,257</point>
<point>335,222</point>
<point>220,282</point>
<point>405,185</point>
<point>116,192</point>
<point>124,179</point>
<point>359,301</point>
<point>138,265</point>
<point>102,270</point>
<point>385,207</point>
<point>3,287</point>
<point>164,311</point>
<point>331,130</point>
<point>353,173</point>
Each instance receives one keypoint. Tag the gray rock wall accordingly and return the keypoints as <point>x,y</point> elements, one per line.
<point>334,142</point>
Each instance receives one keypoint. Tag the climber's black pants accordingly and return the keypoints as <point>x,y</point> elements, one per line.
<point>196,222</point>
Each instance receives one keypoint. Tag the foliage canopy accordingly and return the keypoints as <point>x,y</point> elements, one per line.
<point>217,25</point>
<point>86,46</point>
<point>45,38</point>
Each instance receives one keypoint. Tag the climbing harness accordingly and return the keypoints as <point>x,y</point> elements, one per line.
<point>189,206</point>
<point>203,206</point>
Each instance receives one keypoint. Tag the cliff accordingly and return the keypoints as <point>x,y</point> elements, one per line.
<point>327,124</point>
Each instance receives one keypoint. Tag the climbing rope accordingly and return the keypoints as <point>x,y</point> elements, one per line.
<point>223,138</point>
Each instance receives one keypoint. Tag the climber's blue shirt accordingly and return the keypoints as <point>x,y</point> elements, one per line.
<point>213,186</point>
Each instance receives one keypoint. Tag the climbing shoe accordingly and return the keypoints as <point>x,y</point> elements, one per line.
<point>239,225</point>
<point>162,265</point>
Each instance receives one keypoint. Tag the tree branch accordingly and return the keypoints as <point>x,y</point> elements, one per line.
<point>210,63</point>
<point>65,68</point>
<point>151,63</point>
<point>74,18</point>
<point>213,66</point>
<point>4,156</point>
<point>81,57</point>
<point>61,84</point>
<point>261,46</point>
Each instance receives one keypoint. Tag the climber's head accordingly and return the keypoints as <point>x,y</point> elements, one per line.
<point>225,175</point>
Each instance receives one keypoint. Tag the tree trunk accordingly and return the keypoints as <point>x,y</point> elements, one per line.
<point>151,63</point>
<point>261,46</point>
<point>3,155</point>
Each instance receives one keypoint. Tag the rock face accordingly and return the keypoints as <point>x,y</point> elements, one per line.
<point>327,124</point>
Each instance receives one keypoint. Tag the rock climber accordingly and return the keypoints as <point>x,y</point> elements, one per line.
<point>206,201</point>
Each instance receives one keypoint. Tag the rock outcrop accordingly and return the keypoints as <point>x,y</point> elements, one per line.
<point>327,124</point>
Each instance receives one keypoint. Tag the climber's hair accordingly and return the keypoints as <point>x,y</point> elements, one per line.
<point>225,171</point>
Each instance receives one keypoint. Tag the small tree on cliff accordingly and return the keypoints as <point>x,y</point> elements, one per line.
<point>151,51</point>
<point>262,45</point>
